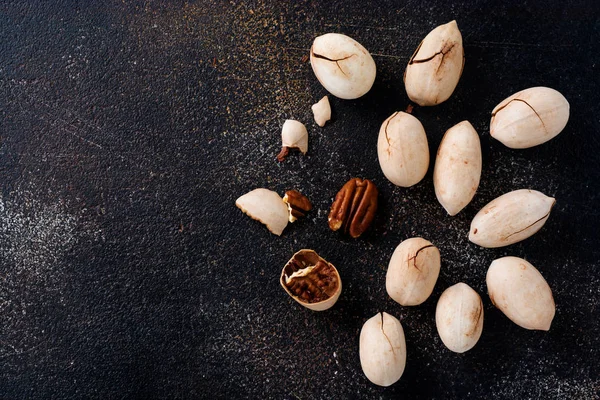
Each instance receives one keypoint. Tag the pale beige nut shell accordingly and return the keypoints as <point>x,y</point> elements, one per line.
<point>402,149</point>
<point>382,349</point>
<point>294,135</point>
<point>530,117</point>
<point>413,271</point>
<point>342,65</point>
<point>322,111</point>
<point>510,218</point>
<point>457,168</point>
<point>266,206</point>
<point>322,305</point>
<point>459,317</point>
<point>436,66</point>
<point>519,290</point>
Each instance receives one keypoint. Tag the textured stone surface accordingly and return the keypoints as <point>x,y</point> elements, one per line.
<point>128,130</point>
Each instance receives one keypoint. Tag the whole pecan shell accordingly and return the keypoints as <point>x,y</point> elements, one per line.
<point>354,207</point>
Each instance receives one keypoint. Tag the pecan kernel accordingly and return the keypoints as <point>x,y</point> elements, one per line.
<point>354,207</point>
<point>311,281</point>
<point>298,204</point>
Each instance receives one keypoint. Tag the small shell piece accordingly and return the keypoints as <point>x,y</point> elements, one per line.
<point>322,111</point>
<point>413,271</point>
<point>266,206</point>
<point>342,65</point>
<point>457,167</point>
<point>459,317</point>
<point>436,66</point>
<point>294,135</point>
<point>311,280</point>
<point>530,117</point>
<point>403,150</point>
<point>510,218</point>
<point>382,349</point>
<point>519,290</point>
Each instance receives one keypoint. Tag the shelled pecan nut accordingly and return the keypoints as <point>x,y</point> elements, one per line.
<point>354,207</point>
<point>297,203</point>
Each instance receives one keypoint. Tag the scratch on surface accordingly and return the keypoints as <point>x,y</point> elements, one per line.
<point>386,55</point>
<point>518,44</point>
<point>54,117</point>
<point>383,28</point>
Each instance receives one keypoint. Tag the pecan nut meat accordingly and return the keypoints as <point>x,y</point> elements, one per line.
<point>297,203</point>
<point>354,207</point>
<point>311,280</point>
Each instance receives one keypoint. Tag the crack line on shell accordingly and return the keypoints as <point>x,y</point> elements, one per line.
<point>529,226</point>
<point>386,132</point>
<point>529,105</point>
<point>386,336</point>
<point>414,258</point>
<point>336,61</point>
<point>442,52</point>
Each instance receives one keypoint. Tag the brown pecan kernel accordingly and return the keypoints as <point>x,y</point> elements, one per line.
<point>283,153</point>
<point>309,279</point>
<point>298,204</point>
<point>354,207</point>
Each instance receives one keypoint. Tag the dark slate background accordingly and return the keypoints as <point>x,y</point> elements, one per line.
<point>128,129</point>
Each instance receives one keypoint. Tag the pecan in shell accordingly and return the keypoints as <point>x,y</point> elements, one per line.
<point>354,207</point>
<point>311,281</point>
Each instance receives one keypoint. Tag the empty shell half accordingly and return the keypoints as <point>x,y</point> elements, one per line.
<point>311,280</point>
<point>294,135</point>
<point>266,206</point>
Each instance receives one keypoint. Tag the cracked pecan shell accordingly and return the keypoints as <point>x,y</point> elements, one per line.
<point>436,66</point>
<point>311,280</point>
<point>354,207</point>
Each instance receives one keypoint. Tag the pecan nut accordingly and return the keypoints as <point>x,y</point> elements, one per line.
<point>354,207</point>
<point>297,203</point>
<point>311,280</point>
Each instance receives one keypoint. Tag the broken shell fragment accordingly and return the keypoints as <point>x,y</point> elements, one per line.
<point>459,317</point>
<point>265,206</point>
<point>436,66</point>
<point>402,149</point>
<point>457,167</point>
<point>322,111</point>
<point>510,218</point>
<point>530,117</point>
<point>382,349</point>
<point>293,135</point>
<point>342,65</point>
<point>413,271</point>
<point>311,281</point>
<point>519,290</point>
<point>297,203</point>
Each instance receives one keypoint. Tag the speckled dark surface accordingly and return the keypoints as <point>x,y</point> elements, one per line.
<point>128,129</point>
